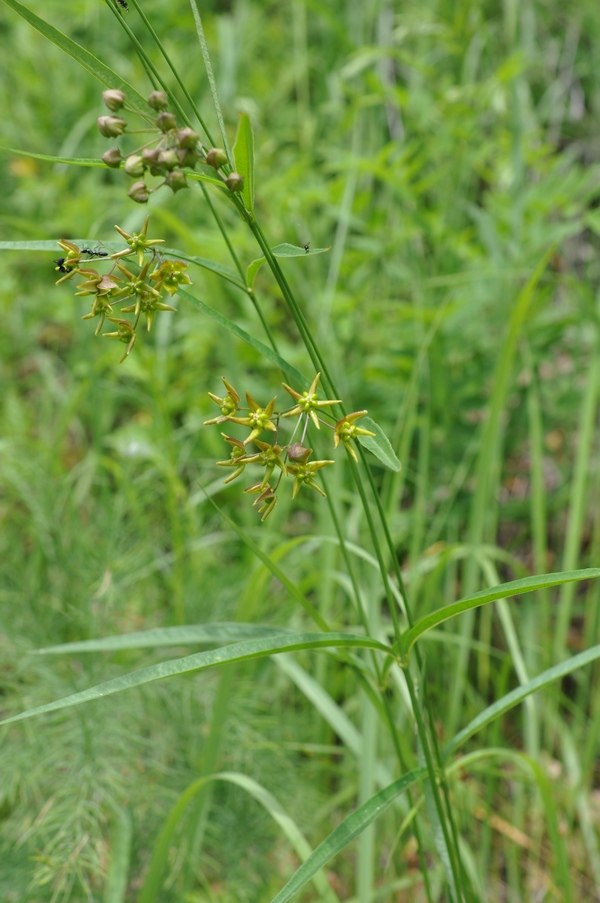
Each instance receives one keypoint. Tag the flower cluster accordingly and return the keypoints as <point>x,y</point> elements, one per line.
<point>142,285</point>
<point>277,460</point>
<point>169,154</point>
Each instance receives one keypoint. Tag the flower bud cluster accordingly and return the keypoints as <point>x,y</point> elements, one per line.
<point>142,286</point>
<point>168,155</point>
<point>280,461</point>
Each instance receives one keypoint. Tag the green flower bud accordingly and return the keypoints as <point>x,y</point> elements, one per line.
<point>187,157</point>
<point>187,138</point>
<point>216,157</point>
<point>111,126</point>
<point>167,159</point>
<point>134,166</point>
<point>112,157</point>
<point>151,157</point>
<point>166,122</point>
<point>139,193</point>
<point>158,100</point>
<point>235,182</point>
<point>113,99</point>
<point>176,180</point>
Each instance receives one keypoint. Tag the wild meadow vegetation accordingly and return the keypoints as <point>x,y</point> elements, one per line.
<point>390,693</point>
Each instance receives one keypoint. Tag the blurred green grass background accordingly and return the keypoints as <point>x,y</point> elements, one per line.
<point>441,149</point>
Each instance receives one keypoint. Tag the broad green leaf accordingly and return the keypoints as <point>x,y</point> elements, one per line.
<point>349,829</point>
<point>514,588</point>
<point>167,636</point>
<point>283,250</point>
<point>259,346</point>
<point>516,696</point>
<point>379,445</point>
<point>86,59</point>
<point>243,153</point>
<point>200,661</point>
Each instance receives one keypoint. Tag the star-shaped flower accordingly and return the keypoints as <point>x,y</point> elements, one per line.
<point>269,457</point>
<point>238,451</point>
<point>346,430</point>
<point>304,473</point>
<point>308,402</point>
<point>258,419</point>
<point>228,405</point>
<point>137,242</point>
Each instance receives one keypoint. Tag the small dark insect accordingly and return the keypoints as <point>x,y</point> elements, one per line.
<point>92,253</point>
<point>123,4</point>
<point>307,247</point>
<point>60,265</point>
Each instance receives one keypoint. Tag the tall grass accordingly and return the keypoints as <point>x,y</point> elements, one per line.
<point>444,155</point>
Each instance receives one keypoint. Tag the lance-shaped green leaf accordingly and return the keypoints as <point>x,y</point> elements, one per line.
<point>379,445</point>
<point>243,153</point>
<point>484,596</point>
<point>349,829</point>
<point>200,661</point>
<point>290,371</point>
<point>281,251</point>
<point>516,696</point>
<point>225,632</point>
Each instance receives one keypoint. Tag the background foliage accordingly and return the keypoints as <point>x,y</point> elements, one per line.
<point>441,149</point>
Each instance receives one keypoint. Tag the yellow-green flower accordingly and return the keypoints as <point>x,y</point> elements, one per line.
<point>137,242</point>
<point>267,498</point>
<point>236,457</point>
<point>258,419</point>
<point>346,430</point>
<point>228,405</point>
<point>125,333</point>
<point>169,275</point>
<point>304,474</point>
<point>269,457</point>
<point>308,402</point>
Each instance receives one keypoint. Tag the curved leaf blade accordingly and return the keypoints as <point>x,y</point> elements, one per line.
<point>350,828</point>
<point>283,250</point>
<point>516,696</point>
<point>225,632</point>
<point>504,591</point>
<point>379,445</point>
<point>232,327</point>
<point>200,661</point>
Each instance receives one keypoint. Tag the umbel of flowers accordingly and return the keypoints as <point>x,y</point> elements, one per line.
<point>170,153</point>
<point>280,461</point>
<point>140,285</point>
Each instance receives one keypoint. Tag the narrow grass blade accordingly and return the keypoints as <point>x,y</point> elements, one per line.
<point>514,588</point>
<point>289,370</point>
<point>103,73</point>
<point>243,152</point>
<point>168,636</point>
<point>117,878</point>
<point>562,870</point>
<point>516,696</point>
<point>52,158</point>
<point>244,651</point>
<point>154,879</point>
<point>211,76</point>
<point>347,831</point>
